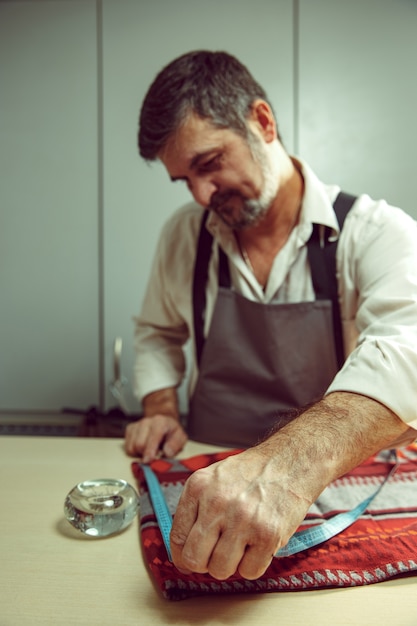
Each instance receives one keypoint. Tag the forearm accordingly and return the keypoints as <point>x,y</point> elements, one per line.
<point>235,514</point>
<point>334,436</point>
<point>161,402</point>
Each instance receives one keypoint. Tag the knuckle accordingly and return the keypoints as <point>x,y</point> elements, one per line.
<point>265,541</point>
<point>197,483</point>
<point>178,537</point>
<point>267,536</point>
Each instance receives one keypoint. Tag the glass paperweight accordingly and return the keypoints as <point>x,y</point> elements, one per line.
<point>101,507</point>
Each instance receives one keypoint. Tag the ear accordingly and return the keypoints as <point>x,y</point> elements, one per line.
<point>262,116</point>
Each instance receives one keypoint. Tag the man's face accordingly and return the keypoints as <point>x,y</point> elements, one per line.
<point>224,172</point>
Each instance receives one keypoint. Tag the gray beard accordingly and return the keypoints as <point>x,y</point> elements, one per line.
<point>251,211</point>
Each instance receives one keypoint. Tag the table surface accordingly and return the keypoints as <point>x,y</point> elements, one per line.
<point>50,574</point>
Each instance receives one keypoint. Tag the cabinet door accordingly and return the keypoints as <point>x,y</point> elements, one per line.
<point>139,38</point>
<point>49,224</point>
<point>358,95</point>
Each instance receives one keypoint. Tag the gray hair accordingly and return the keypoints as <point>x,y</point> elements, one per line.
<point>214,85</point>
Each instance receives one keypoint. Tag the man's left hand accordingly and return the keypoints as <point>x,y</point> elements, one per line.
<point>234,516</point>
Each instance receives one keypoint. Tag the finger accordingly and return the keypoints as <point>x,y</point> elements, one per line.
<point>143,438</point>
<point>198,548</point>
<point>174,442</point>
<point>192,541</point>
<point>135,437</point>
<point>226,556</point>
<point>156,435</point>
<point>255,562</point>
<point>184,519</point>
<point>243,546</point>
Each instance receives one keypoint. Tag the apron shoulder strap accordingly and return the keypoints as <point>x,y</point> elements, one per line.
<point>201,266</point>
<point>322,259</point>
<point>342,206</point>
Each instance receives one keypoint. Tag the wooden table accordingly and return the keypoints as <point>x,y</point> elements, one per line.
<point>50,574</point>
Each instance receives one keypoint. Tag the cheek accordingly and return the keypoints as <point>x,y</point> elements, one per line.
<point>252,181</point>
<point>248,180</point>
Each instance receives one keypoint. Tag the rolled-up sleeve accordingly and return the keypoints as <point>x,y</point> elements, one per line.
<point>377,265</point>
<point>164,323</point>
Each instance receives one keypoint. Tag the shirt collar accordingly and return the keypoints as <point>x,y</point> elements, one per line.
<point>317,204</point>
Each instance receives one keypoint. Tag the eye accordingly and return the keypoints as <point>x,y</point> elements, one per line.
<point>211,164</point>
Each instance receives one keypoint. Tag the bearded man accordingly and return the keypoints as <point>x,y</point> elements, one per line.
<point>304,332</point>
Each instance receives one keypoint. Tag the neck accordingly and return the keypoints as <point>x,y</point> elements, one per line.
<point>283,214</point>
<point>260,244</point>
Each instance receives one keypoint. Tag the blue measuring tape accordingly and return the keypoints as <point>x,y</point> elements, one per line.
<point>160,507</point>
<point>300,541</point>
<point>315,535</point>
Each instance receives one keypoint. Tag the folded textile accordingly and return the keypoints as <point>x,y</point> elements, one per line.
<point>380,545</point>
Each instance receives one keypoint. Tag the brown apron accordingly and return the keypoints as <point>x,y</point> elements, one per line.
<point>259,362</point>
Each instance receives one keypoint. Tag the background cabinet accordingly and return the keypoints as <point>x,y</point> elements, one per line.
<point>80,211</point>
<point>49,238</point>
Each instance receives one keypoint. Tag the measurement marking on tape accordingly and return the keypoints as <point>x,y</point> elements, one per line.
<point>310,537</point>
<point>315,535</point>
<point>300,541</point>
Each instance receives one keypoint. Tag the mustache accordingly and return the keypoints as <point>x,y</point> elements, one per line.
<point>220,198</point>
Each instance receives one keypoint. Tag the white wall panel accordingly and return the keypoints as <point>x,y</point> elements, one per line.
<point>358,95</point>
<point>48,205</point>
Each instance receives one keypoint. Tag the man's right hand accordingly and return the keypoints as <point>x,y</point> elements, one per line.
<point>151,435</point>
<point>159,430</point>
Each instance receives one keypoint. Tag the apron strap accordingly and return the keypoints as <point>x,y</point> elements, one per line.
<point>322,259</point>
<point>204,249</point>
<point>323,270</point>
<point>203,253</point>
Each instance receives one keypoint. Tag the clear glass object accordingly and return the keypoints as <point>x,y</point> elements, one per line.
<point>101,507</point>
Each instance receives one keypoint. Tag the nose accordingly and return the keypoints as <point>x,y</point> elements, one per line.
<point>202,190</point>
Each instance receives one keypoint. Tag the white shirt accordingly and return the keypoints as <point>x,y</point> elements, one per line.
<point>377,275</point>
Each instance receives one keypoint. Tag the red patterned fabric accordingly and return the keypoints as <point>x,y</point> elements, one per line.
<point>382,544</point>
